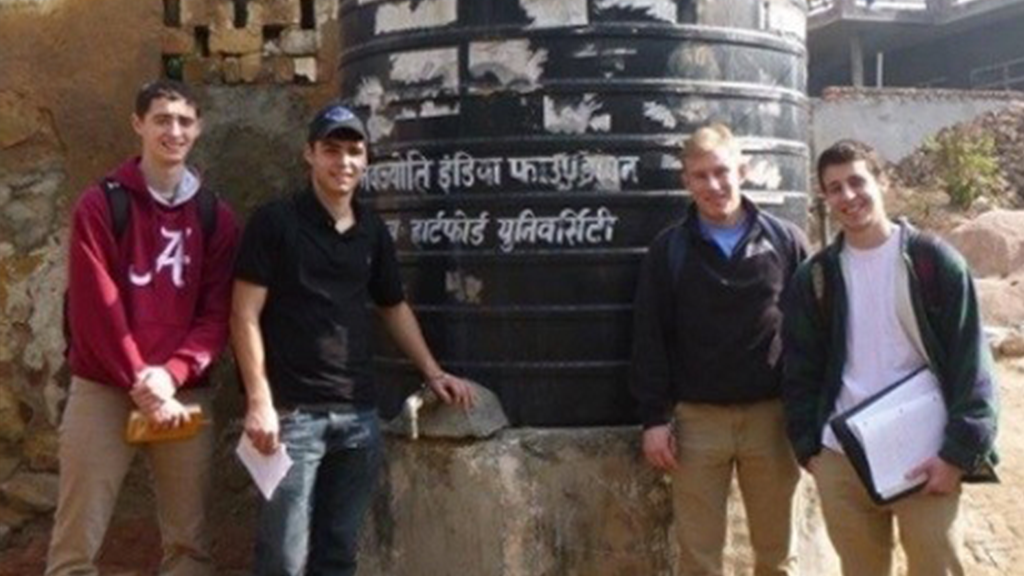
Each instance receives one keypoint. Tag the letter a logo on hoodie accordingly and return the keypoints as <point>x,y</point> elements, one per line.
<point>173,256</point>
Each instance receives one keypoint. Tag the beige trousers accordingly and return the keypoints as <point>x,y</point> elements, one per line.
<point>713,442</point>
<point>862,531</point>
<point>94,459</point>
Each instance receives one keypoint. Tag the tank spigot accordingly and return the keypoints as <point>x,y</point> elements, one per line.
<point>411,409</point>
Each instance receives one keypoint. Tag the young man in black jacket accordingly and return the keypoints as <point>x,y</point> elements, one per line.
<point>706,361</point>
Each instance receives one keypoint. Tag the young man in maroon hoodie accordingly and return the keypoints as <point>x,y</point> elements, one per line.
<point>149,289</point>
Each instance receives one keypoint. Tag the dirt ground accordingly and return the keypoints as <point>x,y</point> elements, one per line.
<point>994,514</point>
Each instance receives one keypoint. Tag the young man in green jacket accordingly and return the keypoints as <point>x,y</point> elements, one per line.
<point>876,304</point>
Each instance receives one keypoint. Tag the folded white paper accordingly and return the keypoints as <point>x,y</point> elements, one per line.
<point>267,471</point>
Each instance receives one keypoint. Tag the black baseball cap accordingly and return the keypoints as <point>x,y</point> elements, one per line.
<point>333,118</point>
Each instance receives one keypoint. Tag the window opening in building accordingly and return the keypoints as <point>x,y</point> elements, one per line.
<point>172,13</point>
<point>203,41</point>
<point>308,8</point>
<point>241,13</point>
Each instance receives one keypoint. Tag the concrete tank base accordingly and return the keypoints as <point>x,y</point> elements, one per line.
<point>544,502</point>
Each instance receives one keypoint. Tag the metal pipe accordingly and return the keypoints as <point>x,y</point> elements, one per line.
<point>411,410</point>
<point>879,69</point>
<point>856,61</point>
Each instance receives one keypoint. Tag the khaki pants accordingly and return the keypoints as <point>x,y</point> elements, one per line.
<point>94,459</point>
<point>712,442</point>
<point>862,531</point>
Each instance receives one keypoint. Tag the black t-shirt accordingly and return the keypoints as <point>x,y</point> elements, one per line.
<point>316,323</point>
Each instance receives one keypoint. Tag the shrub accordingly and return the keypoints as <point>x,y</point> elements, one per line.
<point>966,165</point>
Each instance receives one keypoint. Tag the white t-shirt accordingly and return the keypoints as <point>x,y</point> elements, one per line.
<point>878,349</point>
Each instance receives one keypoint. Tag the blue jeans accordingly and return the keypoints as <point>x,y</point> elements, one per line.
<point>311,525</point>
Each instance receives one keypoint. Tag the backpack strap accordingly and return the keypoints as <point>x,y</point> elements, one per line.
<point>207,206</point>
<point>924,247</point>
<point>118,204</point>
<point>924,251</point>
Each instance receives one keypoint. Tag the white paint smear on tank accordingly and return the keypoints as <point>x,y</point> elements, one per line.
<point>513,62</point>
<point>561,117</point>
<point>694,112</point>
<point>421,66</point>
<point>666,10</point>
<point>428,109</point>
<point>372,95</point>
<point>553,13</point>
<point>425,14</point>
<point>764,173</point>
<point>660,114</point>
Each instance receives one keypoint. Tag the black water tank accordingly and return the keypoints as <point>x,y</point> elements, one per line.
<point>525,154</point>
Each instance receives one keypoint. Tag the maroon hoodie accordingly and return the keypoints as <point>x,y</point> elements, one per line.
<point>157,297</point>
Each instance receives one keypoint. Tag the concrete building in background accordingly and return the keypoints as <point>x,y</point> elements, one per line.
<point>971,44</point>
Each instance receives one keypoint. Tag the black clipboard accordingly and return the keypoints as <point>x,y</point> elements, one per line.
<point>854,450</point>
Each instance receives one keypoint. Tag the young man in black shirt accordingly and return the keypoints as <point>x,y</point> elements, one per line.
<point>301,330</point>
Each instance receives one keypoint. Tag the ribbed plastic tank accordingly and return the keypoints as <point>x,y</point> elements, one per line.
<point>525,152</point>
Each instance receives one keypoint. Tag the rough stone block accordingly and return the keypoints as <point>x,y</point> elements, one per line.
<point>32,492</point>
<point>993,243</point>
<point>12,428</point>
<point>256,17</point>
<point>249,67</point>
<point>222,15</point>
<point>280,12</point>
<point>177,41</point>
<point>1012,346</point>
<point>325,12</point>
<point>575,501</point>
<point>306,68</point>
<point>13,518</point>
<point>198,70</point>
<point>40,450</point>
<point>1001,300</point>
<point>279,69</point>
<point>195,13</point>
<point>19,119</point>
<point>299,42</point>
<point>232,70</point>
<point>8,464</point>
<point>235,40</point>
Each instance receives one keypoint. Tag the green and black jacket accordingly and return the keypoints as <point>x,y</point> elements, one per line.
<point>942,311</point>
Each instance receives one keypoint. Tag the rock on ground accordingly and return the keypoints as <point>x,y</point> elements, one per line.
<point>1002,300</point>
<point>993,243</point>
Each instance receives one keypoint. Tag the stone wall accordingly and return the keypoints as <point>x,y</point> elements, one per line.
<point>69,71</point>
<point>251,41</point>
<point>896,121</point>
